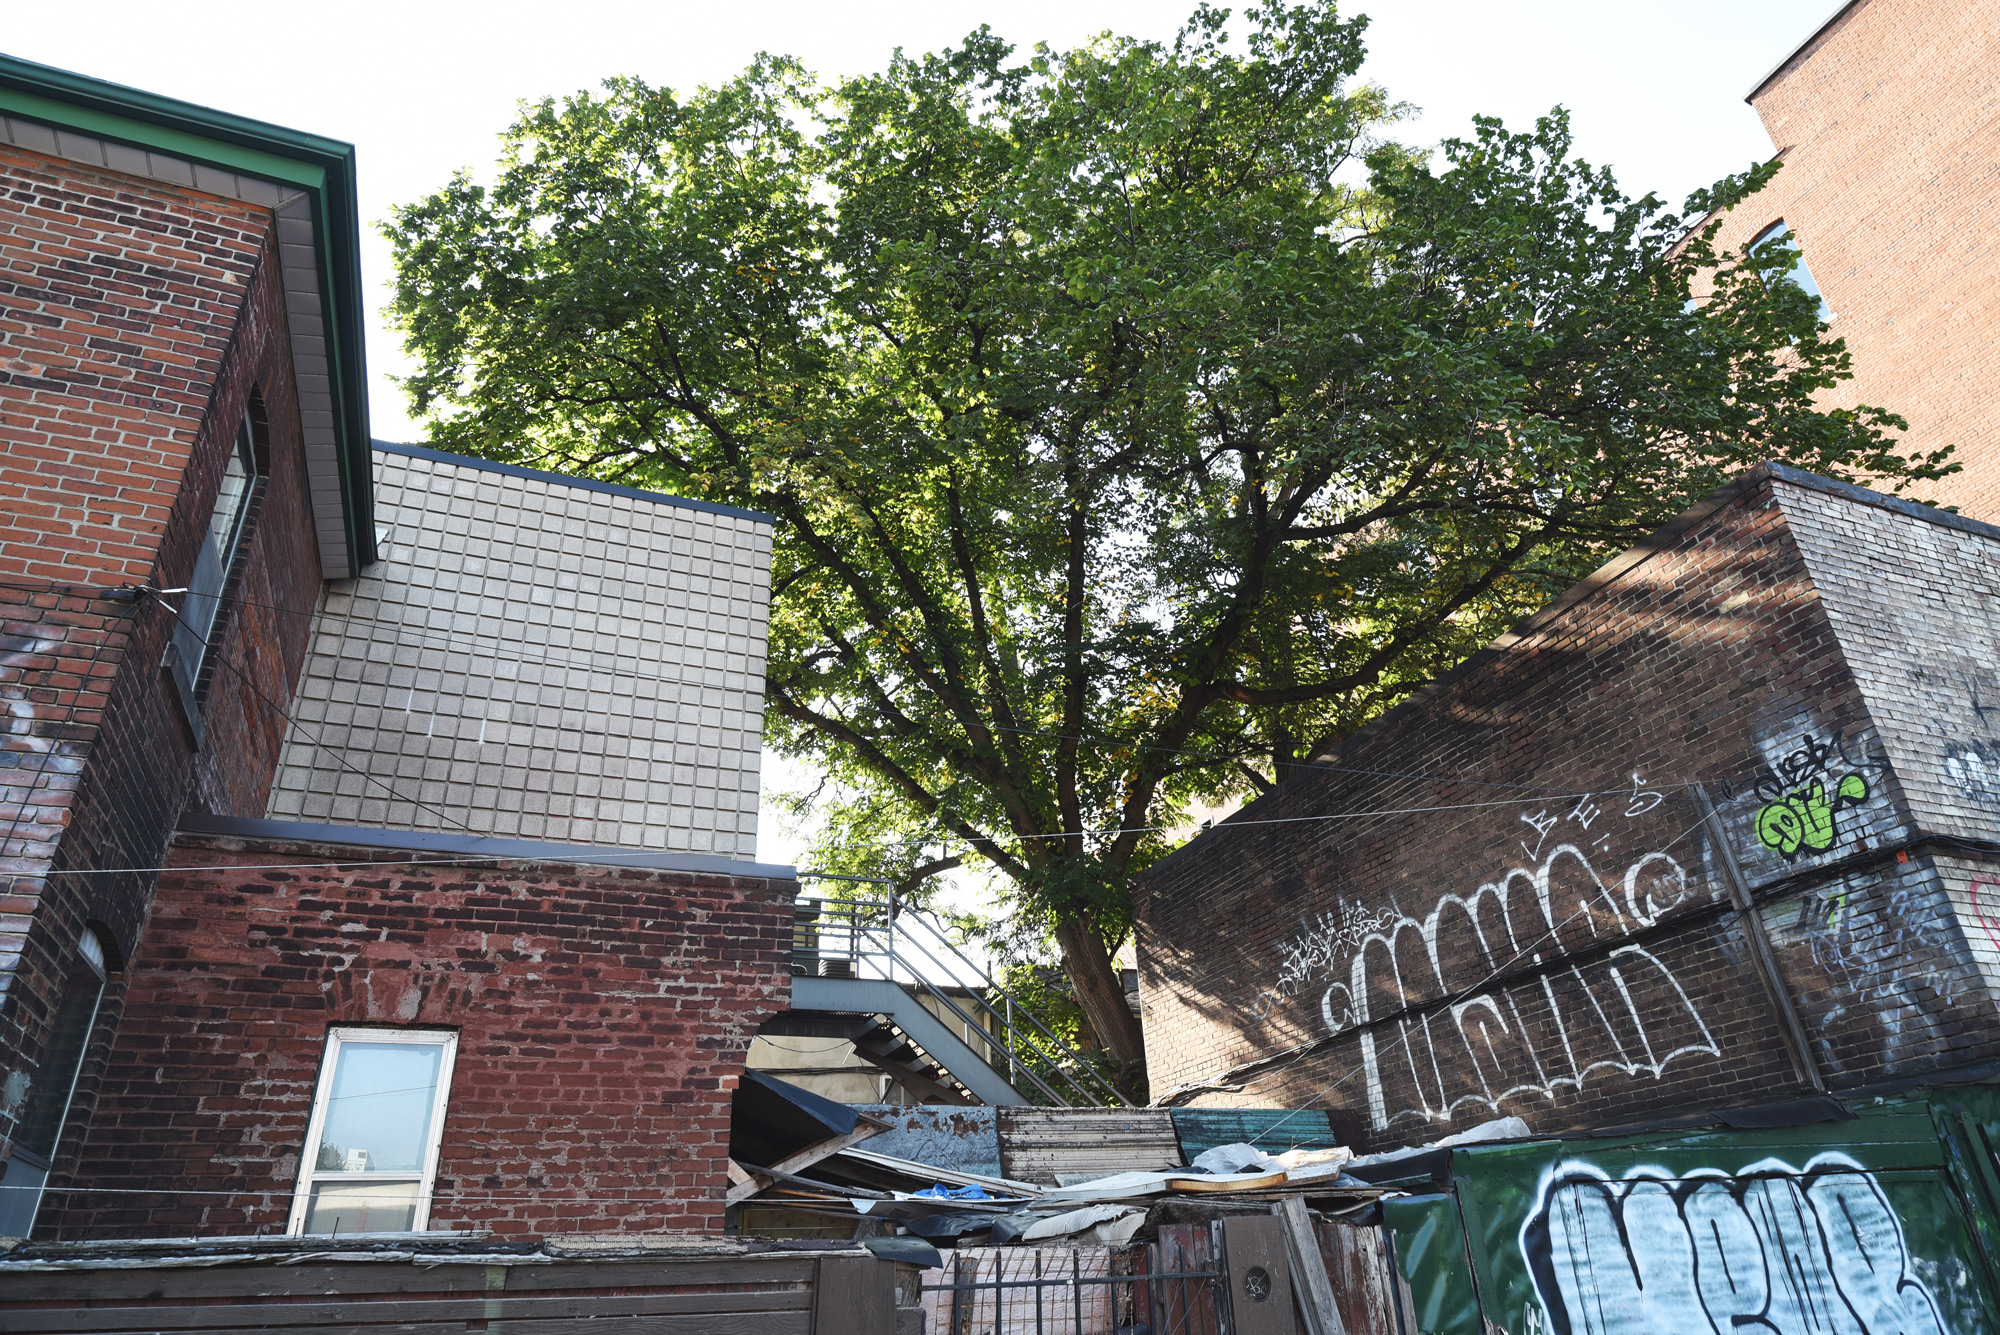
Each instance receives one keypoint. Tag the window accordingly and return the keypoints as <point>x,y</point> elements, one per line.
<point>202,603</point>
<point>1778,234</point>
<point>372,1146</point>
<point>54,1085</point>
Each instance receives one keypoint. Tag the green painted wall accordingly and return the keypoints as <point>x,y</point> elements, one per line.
<point>1889,1222</point>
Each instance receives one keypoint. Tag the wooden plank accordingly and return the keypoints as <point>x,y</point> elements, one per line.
<point>287,1316</point>
<point>855,1295</point>
<point>1310,1284</point>
<point>248,1281</point>
<point>428,1275</point>
<point>1185,1305</point>
<point>661,1274</point>
<point>1357,1260</point>
<point>805,1158</point>
<point>746,1323</point>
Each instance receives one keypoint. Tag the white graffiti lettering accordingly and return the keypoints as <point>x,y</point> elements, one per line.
<point>1622,1011</point>
<point>1812,1251</point>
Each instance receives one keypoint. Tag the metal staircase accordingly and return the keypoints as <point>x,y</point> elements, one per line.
<point>884,975</point>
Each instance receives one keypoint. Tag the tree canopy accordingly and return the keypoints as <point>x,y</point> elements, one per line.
<point>1137,420</point>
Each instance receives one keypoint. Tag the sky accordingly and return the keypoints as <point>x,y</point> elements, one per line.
<point>422,88</point>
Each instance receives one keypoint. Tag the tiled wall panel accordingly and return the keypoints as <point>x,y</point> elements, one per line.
<point>539,659</point>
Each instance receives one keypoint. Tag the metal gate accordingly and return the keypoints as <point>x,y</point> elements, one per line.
<point>1166,1288</point>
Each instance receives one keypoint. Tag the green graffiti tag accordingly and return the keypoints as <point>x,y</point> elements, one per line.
<point>1804,819</point>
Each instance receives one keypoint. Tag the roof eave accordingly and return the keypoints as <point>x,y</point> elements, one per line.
<point>322,168</point>
<point>1796,51</point>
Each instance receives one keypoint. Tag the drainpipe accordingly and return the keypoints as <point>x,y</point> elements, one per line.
<point>1797,1046</point>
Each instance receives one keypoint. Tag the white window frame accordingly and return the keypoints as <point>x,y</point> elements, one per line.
<point>310,1175</point>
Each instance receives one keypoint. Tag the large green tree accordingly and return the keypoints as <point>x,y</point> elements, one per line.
<point>1136,421</point>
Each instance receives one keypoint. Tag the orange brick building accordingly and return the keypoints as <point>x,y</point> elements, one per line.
<point>1885,119</point>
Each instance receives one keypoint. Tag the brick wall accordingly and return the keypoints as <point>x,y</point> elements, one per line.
<point>1891,186</point>
<point>603,1018</point>
<point>1534,919</point>
<point>136,320</point>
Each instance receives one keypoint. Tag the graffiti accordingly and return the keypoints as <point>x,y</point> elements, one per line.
<point>1325,942</point>
<point>1813,1251</point>
<point>1890,958</point>
<point>1641,799</point>
<point>1622,1011</point>
<point>1803,787</point>
<point>1804,817</point>
<point>1992,888</point>
<point>1974,769</point>
<point>1813,757</point>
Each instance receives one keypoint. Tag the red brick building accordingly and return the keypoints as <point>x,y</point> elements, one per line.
<point>1509,896</point>
<point>355,1026</point>
<point>1890,188</point>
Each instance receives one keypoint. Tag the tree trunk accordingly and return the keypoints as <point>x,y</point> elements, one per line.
<point>1102,997</point>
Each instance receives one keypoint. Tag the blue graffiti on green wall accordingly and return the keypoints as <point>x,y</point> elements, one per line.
<point>1772,1249</point>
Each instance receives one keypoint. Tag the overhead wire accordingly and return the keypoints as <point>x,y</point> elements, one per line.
<point>55,743</point>
<point>496,651</point>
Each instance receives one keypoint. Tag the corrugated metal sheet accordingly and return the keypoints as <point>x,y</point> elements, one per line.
<point>1047,1145</point>
<point>1272,1130</point>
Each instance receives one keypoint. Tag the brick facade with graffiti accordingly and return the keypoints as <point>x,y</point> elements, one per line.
<point>1718,825</point>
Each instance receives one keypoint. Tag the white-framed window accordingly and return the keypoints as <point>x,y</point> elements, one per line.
<point>371,1148</point>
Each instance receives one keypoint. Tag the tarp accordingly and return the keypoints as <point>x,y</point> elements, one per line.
<point>770,1119</point>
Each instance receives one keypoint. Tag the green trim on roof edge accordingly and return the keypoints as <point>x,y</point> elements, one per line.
<point>323,168</point>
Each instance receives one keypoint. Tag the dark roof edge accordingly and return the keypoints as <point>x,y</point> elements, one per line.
<point>1611,570</point>
<point>564,479</point>
<point>1798,50</point>
<point>478,846</point>
<point>1847,491</point>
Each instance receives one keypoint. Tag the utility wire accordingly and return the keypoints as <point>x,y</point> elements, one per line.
<point>55,744</point>
<point>611,855</point>
<point>497,652</point>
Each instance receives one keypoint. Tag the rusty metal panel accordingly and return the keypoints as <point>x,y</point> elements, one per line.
<point>1047,1144</point>
<point>1187,1307</point>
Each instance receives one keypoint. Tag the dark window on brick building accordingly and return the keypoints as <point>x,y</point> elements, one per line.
<point>372,1146</point>
<point>201,605</point>
<point>54,1084</point>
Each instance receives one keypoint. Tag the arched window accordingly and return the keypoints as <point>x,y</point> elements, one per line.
<point>40,1129</point>
<point>1778,234</point>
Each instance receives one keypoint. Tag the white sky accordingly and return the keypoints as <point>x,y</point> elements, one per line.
<point>422,88</point>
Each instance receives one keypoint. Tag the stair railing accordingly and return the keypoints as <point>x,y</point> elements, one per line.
<point>873,930</point>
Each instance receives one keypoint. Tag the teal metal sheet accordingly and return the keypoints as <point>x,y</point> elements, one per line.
<point>1273,1130</point>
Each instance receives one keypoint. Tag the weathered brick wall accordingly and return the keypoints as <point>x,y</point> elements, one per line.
<point>136,320</point>
<point>603,1019</point>
<point>1534,920</point>
<point>1891,187</point>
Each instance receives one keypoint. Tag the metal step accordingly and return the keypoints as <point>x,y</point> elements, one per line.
<point>878,996</point>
